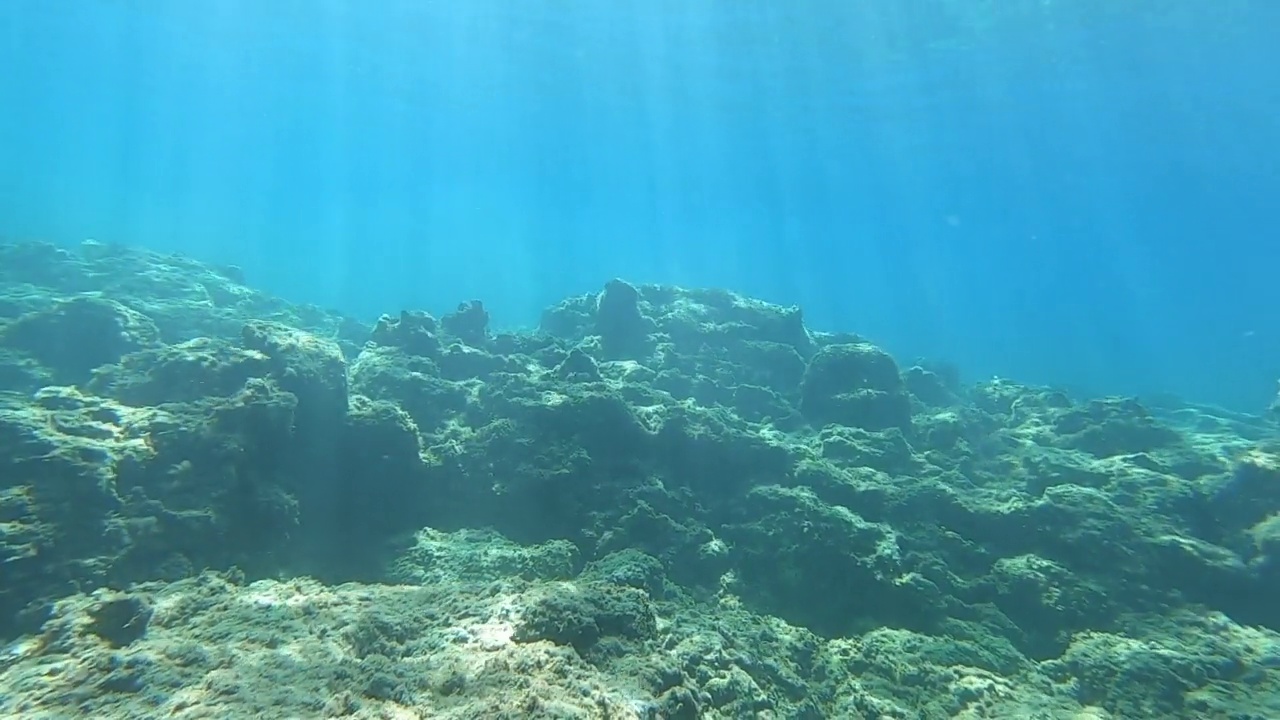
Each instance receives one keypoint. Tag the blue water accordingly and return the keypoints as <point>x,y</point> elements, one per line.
<point>1076,193</point>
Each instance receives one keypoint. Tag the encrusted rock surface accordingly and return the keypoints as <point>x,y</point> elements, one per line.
<point>666,503</point>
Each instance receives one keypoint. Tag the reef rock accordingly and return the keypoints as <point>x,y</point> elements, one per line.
<point>665,503</point>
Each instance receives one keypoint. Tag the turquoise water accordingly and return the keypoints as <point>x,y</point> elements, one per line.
<point>1075,193</point>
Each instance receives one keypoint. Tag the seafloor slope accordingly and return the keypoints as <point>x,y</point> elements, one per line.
<point>666,503</point>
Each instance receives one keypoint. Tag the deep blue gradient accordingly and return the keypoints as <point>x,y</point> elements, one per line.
<point>1065,192</point>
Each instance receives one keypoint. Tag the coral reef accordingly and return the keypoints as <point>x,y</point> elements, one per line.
<point>664,503</point>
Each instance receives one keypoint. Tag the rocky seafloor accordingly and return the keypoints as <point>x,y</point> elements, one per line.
<point>664,503</point>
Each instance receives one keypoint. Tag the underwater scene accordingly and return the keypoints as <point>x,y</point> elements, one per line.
<point>865,360</point>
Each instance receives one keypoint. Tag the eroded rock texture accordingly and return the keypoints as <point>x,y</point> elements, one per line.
<point>666,503</point>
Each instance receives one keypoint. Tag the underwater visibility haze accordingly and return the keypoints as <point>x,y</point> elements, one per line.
<point>641,360</point>
<point>1078,193</point>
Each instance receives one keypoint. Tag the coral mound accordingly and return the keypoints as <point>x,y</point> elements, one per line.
<point>663,503</point>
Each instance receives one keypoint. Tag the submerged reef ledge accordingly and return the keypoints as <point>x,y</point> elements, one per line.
<point>663,503</point>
